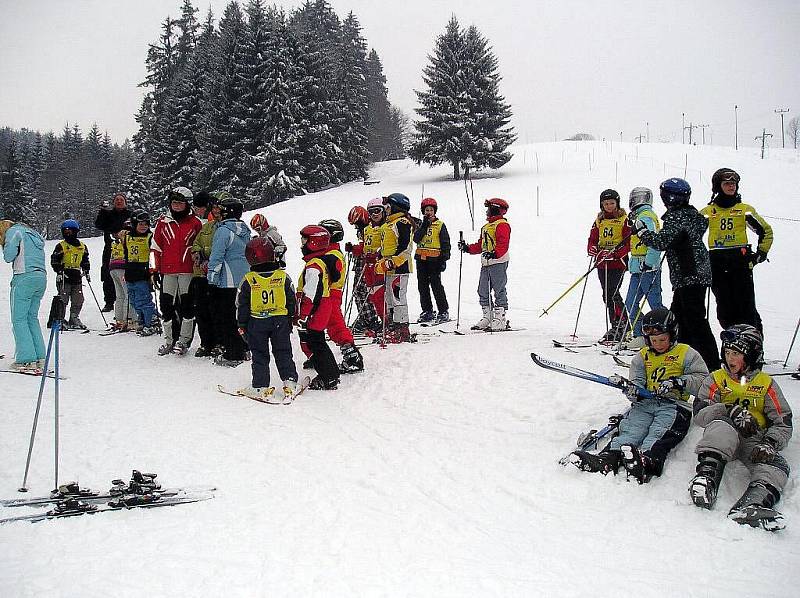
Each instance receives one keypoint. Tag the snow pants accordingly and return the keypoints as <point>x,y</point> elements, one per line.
<point>176,305</point>
<point>732,285</point>
<point>123,307</point>
<point>261,332</point>
<point>642,284</point>
<point>493,278</point>
<point>26,295</point>
<point>109,288</point>
<point>321,355</point>
<point>396,297</point>
<point>655,427</point>
<point>376,285</point>
<point>720,436</point>
<point>367,316</point>
<point>226,329</point>
<point>610,283</point>
<point>203,315</point>
<point>72,296</point>
<point>337,328</point>
<point>429,278</point>
<point>142,300</point>
<point>689,307</point>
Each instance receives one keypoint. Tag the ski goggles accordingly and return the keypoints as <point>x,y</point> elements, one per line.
<point>653,330</point>
<point>376,210</point>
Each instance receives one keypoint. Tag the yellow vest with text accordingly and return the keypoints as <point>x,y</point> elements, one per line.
<point>137,249</point>
<point>267,294</point>
<point>339,284</point>
<point>431,244</point>
<point>751,395</point>
<point>609,231</point>
<point>373,236</point>
<point>727,227</point>
<point>73,256</point>
<point>658,368</point>
<point>326,281</point>
<point>639,249</point>
<point>489,235</point>
<point>391,238</point>
<point>117,251</point>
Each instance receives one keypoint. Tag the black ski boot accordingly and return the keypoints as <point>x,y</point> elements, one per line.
<point>307,365</point>
<point>605,462</point>
<point>636,464</point>
<point>705,484</point>
<point>754,508</point>
<point>353,361</point>
<point>318,383</point>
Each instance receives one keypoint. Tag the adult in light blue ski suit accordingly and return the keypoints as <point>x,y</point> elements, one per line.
<point>644,263</point>
<point>23,247</point>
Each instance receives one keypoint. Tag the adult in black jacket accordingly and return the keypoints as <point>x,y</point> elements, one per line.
<point>689,266</point>
<point>110,219</point>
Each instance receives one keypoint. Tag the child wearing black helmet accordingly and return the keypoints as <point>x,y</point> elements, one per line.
<point>136,246</point>
<point>70,260</point>
<point>654,426</point>
<point>745,417</point>
<point>265,308</point>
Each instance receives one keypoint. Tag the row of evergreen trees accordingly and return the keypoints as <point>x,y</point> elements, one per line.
<point>264,105</point>
<point>45,178</point>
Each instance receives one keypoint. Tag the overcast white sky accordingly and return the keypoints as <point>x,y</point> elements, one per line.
<point>602,67</point>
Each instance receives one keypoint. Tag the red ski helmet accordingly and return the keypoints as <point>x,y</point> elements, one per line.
<point>259,251</point>
<point>358,215</point>
<point>429,201</point>
<point>259,222</point>
<point>316,237</point>
<point>499,206</point>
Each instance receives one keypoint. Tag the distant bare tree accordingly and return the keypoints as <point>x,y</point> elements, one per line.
<point>793,128</point>
<point>581,137</point>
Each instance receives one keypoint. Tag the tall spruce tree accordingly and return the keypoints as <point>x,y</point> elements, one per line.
<point>15,199</point>
<point>464,119</point>
<point>352,100</point>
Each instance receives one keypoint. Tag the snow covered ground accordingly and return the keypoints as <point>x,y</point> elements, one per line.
<point>434,473</point>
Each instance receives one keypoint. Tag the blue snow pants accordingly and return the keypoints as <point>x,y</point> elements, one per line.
<point>260,333</point>
<point>27,291</point>
<point>655,427</point>
<point>142,300</point>
<point>644,284</point>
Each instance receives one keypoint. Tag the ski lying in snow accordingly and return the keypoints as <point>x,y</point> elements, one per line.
<point>508,328</point>
<point>112,332</point>
<point>37,373</point>
<point>591,439</point>
<point>434,323</point>
<point>92,497</point>
<point>279,399</point>
<point>573,344</point>
<point>755,516</point>
<point>618,360</point>
<point>592,377</point>
<point>74,507</point>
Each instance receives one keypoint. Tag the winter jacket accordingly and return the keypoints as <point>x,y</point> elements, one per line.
<point>72,275</point>
<point>314,303</point>
<point>433,241</point>
<point>227,264</point>
<point>201,248</point>
<point>24,248</point>
<point>652,257</point>
<point>172,243</point>
<point>618,259</point>
<point>494,242</point>
<point>693,369</point>
<point>774,412</point>
<point>682,238</point>
<point>396,246</point>
<point>111,222</point>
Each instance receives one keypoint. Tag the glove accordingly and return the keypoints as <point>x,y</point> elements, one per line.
<point>348,247</point>
<point>59,279</point>
<point>764,452</point>
<point>243,333</point>
<point>155,277</point>
<point>388,264</point>
<point>758,257</point>
<point>489,255</point>
<point>744,421</point>
<point>639,227</point>
<point>302,323</point>
<point>627,387</point>
<point>463,247</point>
<point>673,385</point>
<point>87,277</point>
<point>593,251</point>
<point>601,255</point>
<point>646,268</point>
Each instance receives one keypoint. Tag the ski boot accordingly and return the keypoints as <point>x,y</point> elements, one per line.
<point>754,508</point>
<point>637,465</point>
<point>485,321</point>
<point>76,324</point>
<point>308,365</point>
<point>426,316</point>
<point>165,349</point>
<point>289,390</point>
<point>202,352</point>
<point>318,383</point>
<point>498,322</point>
<point>605,462</point>
<point>353,361</point>
<point>443,317</point>
<point>399,333</point>
<point>264,394</point>
<point>221,360</point>
<point>180,348</point>
<point>705,484</point>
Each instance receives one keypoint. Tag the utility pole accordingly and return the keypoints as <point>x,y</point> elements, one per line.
<point>647,124</point>
<point>683,127</point>
<point>763,138</point>
<point>703,127</point>
<point>782,111</point>
<point>639,138</point>
<point>691,128</point>
<point>620,136</point>
<point>736,126</point>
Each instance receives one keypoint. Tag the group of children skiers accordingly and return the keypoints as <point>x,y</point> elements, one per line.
<point>741,408</point>
<point>210,270</point>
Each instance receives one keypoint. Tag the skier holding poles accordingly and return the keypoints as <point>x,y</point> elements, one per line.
<point>367,320</point>
<point>493,247</point>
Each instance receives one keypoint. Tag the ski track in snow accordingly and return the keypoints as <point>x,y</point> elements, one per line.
<point>432,473</point>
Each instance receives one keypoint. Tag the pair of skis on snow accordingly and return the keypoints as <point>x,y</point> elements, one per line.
<point>273,397</point>
<point>70,500</point>
<point>754,516</point>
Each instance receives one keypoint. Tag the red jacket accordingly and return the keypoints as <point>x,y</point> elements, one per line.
<point>503,239</point>
<point>172,244</point>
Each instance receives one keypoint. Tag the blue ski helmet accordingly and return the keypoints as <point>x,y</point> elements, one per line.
<point>71,224</point>
<point>398,202</point>
<point>675,193</point>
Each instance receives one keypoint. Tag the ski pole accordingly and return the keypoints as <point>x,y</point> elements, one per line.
<point>470,205</point>
<point>640,302</point>
<point>460,264</point>
<point>97,303</point>
<point>580,305</point>
<point>357,282</point>
<point>347,278</point>
<point>794,337</point>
